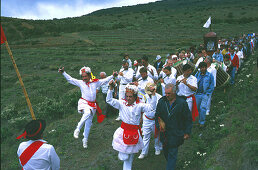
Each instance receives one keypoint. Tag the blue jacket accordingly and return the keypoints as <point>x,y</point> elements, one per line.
<point>218,57</point>
<point>178,121</point>
<point>208,82</point>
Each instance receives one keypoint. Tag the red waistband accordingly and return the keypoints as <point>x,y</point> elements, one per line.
<point>126,126</point>
<point>149,118</point>
<point>92,104</point>
<point>190,96</point>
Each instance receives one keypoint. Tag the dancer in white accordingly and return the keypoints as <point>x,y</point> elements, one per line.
<point>127,139</point>
<point>169,78</point>
<point>148,126</point>
<point>87,103</point>
<point>125,76</point>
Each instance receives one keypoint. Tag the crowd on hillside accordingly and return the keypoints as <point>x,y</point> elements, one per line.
<point>163,99</point>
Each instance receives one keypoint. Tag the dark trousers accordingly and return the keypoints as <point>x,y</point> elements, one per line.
<point>108,109</point>
<point>171,157</point>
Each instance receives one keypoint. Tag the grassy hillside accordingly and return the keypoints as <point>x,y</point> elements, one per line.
<point>98,40</point>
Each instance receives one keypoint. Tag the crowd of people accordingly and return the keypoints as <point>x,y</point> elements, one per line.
<point>158,99</point>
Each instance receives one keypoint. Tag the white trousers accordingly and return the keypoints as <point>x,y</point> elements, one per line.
<point>148,128</point>
<point>190,103</point>
<point>128,160</point>
<point>86,120</point>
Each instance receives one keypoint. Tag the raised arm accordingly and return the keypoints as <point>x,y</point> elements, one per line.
<point>71,80</point>
<point>110,100</point>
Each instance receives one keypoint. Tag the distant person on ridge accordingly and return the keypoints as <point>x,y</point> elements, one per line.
<point>87,104</point>
<point>36,153</point>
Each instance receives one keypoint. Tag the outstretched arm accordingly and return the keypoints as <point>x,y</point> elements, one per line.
<point>71,80</point>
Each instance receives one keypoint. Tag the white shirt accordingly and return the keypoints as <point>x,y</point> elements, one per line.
<point>213,71</point>
<point>88,91</point>
<point>45,158</point>
<point>142,84</point>
<point>168,79</point>
<point>149,68</point>
<point>199,61</point>
<point>130,114</point>
<point>240,55</point>
<point>127,77</point>
<point>184,90</point>
<point>151,114</point>
<point>173,72</point>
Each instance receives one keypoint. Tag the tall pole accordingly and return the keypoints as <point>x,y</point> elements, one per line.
<point>20,79</point>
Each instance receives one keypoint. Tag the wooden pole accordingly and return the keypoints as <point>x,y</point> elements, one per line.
<point>20,79</point>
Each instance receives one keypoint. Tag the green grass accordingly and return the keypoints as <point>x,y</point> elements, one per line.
<point>90,40</point>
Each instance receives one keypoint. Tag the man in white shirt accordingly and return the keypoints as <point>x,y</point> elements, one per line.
<point>142,82</point>
<point>36,153</point>
<point>148,126</point>
<point>186,86</point>
<point>152,72</point>
<point>125,76</point>
<point>87,104</point>
<point>211,69</point>
<point>170,64</point>
<point>169,78</point>
<point>127,139</point>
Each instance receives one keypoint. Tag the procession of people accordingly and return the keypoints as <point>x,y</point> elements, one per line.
<point>161,100</point>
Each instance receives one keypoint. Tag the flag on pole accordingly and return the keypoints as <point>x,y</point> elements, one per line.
<point>3,39</point>
<point>208,23</point>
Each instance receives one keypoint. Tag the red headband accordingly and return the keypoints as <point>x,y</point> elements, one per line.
<point>34,134</point>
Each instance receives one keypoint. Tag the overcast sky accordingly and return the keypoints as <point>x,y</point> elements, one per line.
<point>49,9</point>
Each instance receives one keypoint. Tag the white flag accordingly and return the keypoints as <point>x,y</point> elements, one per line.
<point>208,23</point>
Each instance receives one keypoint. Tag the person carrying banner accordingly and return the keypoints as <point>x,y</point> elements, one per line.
<point>127,139</point>
<point>36,153</point>
<point>87,104</point>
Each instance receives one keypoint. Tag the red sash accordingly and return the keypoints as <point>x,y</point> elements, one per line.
<point>29,151</point>
<point>130,135</point>
<point>149,118</point>
<point>195,112</point>
<point>100,116</point>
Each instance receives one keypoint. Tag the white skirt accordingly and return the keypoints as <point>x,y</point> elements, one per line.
<point>119,145</point>
<point>83,106</point>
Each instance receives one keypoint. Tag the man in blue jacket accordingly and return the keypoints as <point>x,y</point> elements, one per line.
<point>205,82</point>
<point>174,120</point>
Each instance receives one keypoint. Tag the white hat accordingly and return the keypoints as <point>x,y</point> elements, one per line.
<point>147,88</point>
<point>84,70</point>
<point>158,57</point>
<point>174,56</point>
<point>131,88</point>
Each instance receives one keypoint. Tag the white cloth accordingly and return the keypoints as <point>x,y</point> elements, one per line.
<point>184,90</point>
<point>149,68</point>
<point>198,62</point>
<point>213,71</point>
<point>142,84</point>
<point>127,76</point>
<point>148,127</point>
<point>168,79</point>
<point>87,121</point>
<point>130,115</point>
<point>45,158</point>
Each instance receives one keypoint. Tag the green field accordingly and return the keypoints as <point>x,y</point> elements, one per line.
<point>99,40</point>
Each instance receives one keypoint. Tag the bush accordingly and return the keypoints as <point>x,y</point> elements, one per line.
<point>50,108</point>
